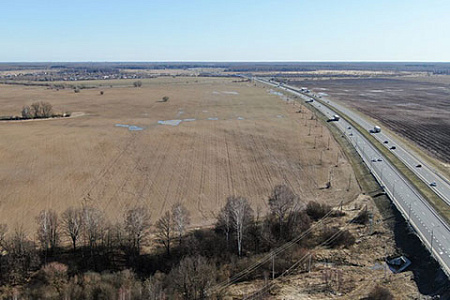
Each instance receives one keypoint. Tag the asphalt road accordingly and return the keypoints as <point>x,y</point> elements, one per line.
<point>433,231</point>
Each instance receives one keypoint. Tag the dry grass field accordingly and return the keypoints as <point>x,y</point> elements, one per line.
<point>244,141</point>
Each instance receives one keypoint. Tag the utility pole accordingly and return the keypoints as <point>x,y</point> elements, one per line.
<point>309,133</point>
<point>349,182</point>
<point>273,266</point>
<point>328,147</point>
<point>309,263</point>
<point>315,141</point>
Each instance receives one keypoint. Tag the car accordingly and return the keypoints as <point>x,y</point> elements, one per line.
<point>351,134</point>
<point>419,166</point>
<point>393,148</point>
<point>374,159</point>
<point>433,184</point>
<point>349,127</point>
<point>379,159</point>
<point>385,142</point>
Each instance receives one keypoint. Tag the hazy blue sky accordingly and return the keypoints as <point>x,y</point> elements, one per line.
<point>216,30</point>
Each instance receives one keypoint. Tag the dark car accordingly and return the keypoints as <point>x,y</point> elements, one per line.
<point>419,166</point>
<point>385,142</point>
<point>379,159</point>
<point>433,184</point>
<point>393,148</point>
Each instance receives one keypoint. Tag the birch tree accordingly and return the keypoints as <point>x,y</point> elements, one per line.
<point>181,219</point>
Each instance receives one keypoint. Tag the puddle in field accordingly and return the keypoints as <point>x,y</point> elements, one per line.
<point>226,93</point>
<point>130,127</point>
<point>170,122</point>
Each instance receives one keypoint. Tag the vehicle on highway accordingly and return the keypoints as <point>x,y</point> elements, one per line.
<point>375,129</point>
<point>349,127</point>
<point>393,148</point>
<point>385,142</point>
<point>374,159</point>
<point>433,184</point>
<point>351,134</point>
<point>419,166</point>
<point>379,159</point>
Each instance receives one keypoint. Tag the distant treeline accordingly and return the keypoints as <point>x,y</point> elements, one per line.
<point>437,68</point>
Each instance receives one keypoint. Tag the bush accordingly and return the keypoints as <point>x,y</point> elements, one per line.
<point>380,293</point>
<point>165,99</point>
<point>362,218</point>
<point>316,210</point>
<point>137,83</point>
<point>334,237</point>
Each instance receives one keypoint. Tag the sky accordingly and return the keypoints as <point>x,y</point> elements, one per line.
<point>224,30</point>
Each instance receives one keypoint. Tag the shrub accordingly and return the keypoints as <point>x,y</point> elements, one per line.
<point>165,99</point>
<point>316,210</point>
<point>380,293</point>
<point>362,218</point>
<point>137,83</point>
<point>334,237</point>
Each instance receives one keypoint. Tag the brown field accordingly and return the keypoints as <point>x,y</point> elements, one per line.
<point>257,142</point>
<point>418,108</point>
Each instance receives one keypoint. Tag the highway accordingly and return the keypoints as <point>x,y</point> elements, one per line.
<point>430,228</point>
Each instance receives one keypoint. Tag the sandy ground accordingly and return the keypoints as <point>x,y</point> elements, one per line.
<point>244,141</point>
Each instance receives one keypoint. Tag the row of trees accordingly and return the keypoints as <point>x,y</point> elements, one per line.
<point>37,110</point>
<point>191,260</point>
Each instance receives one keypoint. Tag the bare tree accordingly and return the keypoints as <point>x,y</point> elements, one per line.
<point>137,225</point>
<point>193,277</point>
<point>36,109</point>
<point>165,99</point>
<point>281,202</point>
<point>46,109</point>
<point>224,224</point>
<point>72,220</point>
<point>241,215</point>
<point>164,228</point>
<point>48,231</point>
<point>27,112</point>
<point>181,219</point>
<point>137,83</point>
<point>93,221</point>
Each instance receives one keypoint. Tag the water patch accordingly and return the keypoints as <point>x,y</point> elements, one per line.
<point>135,128</point>
<point>213,119</point>
<point>240,118</point>
<point>130,127</point>
<point>170,122</point>
<point>230,93</point>
<point>377,91</point>
<point>188,120</point>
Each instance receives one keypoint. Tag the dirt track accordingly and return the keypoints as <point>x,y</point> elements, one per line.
<point>243,141</point>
